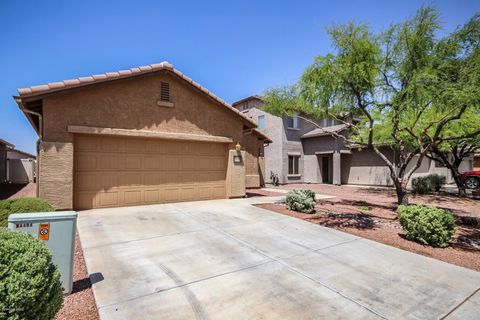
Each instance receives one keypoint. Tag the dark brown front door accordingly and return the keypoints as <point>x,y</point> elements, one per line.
<point>325,166</point>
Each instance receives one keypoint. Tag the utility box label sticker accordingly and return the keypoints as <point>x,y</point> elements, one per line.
<point>44,231</point>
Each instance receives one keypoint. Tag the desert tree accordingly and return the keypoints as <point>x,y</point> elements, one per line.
<point>405,86</point>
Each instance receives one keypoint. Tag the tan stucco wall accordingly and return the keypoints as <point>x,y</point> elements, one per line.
<point>254,161</point>
<point>126,104</point>
<point>235,175</point>
<point>132,104</point>
<point>55,180</point>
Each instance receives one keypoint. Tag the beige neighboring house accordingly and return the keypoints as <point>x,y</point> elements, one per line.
<point>16,166</point>
<point>4,147</point>
<point>20,166</point>
<point>146,135</point>
<point>304,153</point>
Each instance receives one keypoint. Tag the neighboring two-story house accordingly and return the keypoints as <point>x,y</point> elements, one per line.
<point>303,153</point>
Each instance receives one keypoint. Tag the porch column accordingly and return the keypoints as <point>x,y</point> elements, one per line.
<point>337,170</point>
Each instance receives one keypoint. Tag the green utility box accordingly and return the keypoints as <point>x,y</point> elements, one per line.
<point>57,230</point>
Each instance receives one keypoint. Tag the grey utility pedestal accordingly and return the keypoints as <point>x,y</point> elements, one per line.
<point>57,230</point>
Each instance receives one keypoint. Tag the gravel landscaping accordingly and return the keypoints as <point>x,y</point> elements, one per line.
<point>371,214</point>
<point>80,304</point>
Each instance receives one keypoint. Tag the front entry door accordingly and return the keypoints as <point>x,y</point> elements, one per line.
<point>325,166</point>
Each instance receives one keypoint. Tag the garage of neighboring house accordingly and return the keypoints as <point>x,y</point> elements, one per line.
<point>145,135</point>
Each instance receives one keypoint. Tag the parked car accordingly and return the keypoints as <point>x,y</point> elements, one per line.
<point>471,179</point>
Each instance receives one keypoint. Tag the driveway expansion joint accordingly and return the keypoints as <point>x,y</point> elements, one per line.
<point>460,304</point>
<point>301,273</point>
<point>185,284</point>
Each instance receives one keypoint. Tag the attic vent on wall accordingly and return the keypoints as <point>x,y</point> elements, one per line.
<point>165,92</point>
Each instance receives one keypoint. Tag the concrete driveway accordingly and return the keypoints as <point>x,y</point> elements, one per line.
<point>226,259</point>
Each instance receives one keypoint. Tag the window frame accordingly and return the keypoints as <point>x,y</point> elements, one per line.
<point>295,165</point>
<point>261,127</point>
<point>294,122</point>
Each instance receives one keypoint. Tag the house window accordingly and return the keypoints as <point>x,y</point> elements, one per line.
<point>261,122</point>
<point>165,92</point>
<point>293,164</point>
<point>292,122</point>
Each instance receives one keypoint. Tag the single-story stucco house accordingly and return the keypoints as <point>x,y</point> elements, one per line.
<point>145,135</point>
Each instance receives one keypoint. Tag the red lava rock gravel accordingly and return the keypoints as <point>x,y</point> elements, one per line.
<point>80,304</point>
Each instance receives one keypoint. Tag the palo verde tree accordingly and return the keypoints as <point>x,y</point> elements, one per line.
<point>395,82</point>
<point>460,139</point>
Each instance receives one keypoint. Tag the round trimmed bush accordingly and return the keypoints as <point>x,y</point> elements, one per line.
<point>427,225</point>
<point>22,205</point>
<point>30,285</point>
<point>302,200</point>
<point>428,183</point>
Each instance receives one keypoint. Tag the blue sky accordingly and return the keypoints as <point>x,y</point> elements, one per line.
<point>234,48</point>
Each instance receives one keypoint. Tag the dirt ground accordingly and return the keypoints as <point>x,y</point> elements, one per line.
<point>386,197</point>
<point>80,304</point>
<point>371,214</point>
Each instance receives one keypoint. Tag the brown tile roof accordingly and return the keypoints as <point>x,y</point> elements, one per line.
<point>109,76</point>
<point>254,97</point>
<point>326,131</point>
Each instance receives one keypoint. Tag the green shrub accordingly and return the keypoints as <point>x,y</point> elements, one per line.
<point>427,225</point>
<point>420,185</point>
<point>437,181</point>
<point>427,184</point>
<point>30,285</point>
<point>302,200</point>
<point>22,205</point>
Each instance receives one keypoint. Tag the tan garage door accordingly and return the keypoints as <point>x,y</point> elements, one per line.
<point>114,172</point>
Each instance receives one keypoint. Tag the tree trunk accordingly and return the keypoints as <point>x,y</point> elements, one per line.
<point>401,190</point>
<point>460,185</point>
<point>402,197</point>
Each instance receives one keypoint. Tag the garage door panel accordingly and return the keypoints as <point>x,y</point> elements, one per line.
<point>108,162</point>
<point>109,144</point>
<point>188,193</point>
<point>152,179</point>
<point>172,194</point>
<point>204,163</point>
<point>108,180</point>
<point>152,196</point>
<point>219,164</point>
<point>152,162</point>
<point>86,181</point>
<point>85,162</point>
<point>86,144</point>
<point>187,162</point>
<point>170,177</point>
<point>171,163</point>
<point>205,192</point>
<point>85,200</point>
<point>132,197</point>
<point>112,171</point>
<point>133,162</point>
<point>108,198</point>
<point>131,179</point>
<point>218,191</point>
<point>133,147</point>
